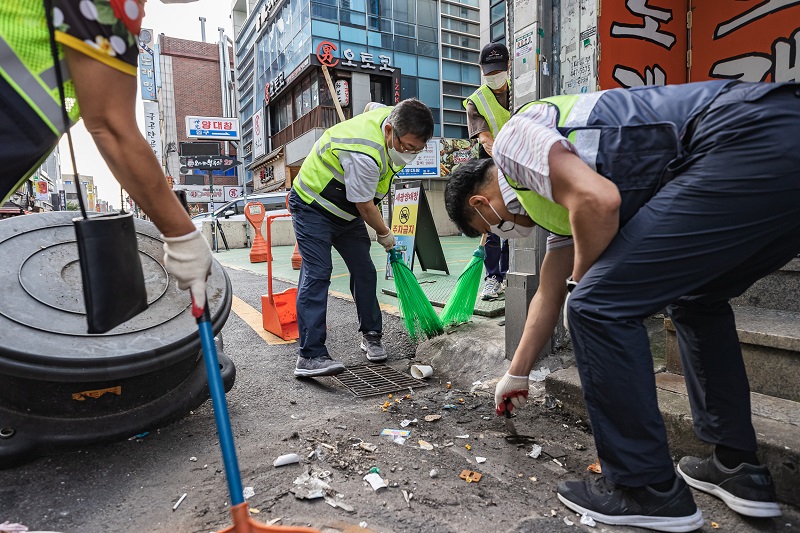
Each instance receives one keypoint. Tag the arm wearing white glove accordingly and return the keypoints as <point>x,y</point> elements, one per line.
<point>374,219</point>
<point>387,241</point>
<point>188,259</point>
<point>539,325</point>
<point>512,388</point>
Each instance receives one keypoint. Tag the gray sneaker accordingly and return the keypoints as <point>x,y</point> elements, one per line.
<point>317,366</point>
<point>747,489</point>
<point>371,344</point>
<point>673,511</point>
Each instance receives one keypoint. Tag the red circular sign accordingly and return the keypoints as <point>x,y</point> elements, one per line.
<point>325,52</point>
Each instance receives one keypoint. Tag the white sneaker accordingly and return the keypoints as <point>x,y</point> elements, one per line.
<point>491,290</point>
<point>503,287</point>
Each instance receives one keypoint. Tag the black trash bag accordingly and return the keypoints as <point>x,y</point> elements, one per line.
<point>113,281</point>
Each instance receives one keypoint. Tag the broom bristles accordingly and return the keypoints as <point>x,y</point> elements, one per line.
<point>418,315</point>
<point>461,304</point>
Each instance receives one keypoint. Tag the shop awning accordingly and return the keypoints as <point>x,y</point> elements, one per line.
<point>265,159</point>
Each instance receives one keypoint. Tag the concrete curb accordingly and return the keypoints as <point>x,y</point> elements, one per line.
<point>775,422</point>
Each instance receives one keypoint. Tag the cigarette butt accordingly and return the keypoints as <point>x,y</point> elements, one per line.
<point>180,501</point>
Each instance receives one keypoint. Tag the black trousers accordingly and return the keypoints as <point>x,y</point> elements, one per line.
<point>730,216</point>
<point>25,141</point>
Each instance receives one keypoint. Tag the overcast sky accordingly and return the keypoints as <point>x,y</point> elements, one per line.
<point>175,20</point>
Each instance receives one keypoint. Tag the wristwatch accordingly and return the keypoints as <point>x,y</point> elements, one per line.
<point>571,284</point>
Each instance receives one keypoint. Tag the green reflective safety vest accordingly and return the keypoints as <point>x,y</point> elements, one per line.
<point>26,64</point>
<point>26,61</point>
<point>487,105</point>
<point>321,178</point>
<point>551,216</point>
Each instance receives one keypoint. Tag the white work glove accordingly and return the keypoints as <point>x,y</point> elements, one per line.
<point>387,241</point>
<point>511,388</point>
<point>188,259</point>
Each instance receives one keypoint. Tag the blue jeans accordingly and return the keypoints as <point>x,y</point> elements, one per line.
<point>316,234</point>
<point>496,261</point>
<point>730,216</point>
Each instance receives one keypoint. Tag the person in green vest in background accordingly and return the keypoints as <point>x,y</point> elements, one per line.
<point>99,57</point>
<point>334,197</point>
<point>678,197</point>
<point>487,112</point>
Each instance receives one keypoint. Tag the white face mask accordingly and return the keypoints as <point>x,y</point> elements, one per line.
<point>400,158</point>
<point>501,230</point>
<point>497,81</point>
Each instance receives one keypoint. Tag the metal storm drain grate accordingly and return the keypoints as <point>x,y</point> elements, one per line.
<point>372,380</point>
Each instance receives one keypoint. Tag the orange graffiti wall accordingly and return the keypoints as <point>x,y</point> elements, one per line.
<point>642,42</point>
<point>749,40</point>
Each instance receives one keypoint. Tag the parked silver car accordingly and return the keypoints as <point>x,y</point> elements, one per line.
<point>274,204</point>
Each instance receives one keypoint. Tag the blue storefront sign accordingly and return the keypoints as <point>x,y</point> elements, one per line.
<point>426,164</point>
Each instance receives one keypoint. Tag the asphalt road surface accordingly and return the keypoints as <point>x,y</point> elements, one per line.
<point>132,486</point>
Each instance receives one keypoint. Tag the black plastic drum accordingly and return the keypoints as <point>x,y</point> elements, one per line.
<point>61,387</point>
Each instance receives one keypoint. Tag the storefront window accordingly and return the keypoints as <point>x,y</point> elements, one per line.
<point>302,97</point>
<point>314,90</point>
<point>324,95</point>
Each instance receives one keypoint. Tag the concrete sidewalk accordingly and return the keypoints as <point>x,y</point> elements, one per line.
<point>473,356</point>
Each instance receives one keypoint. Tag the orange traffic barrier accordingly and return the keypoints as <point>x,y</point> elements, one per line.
<point>254,213</point>
<point>278,311</point>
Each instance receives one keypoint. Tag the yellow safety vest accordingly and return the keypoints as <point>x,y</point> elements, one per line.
<point>489,108</point>
<point>26,64</point>
<point>321,177</point>
<point>552,216</point>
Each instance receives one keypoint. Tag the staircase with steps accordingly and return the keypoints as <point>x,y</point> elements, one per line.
<point>768,325</point>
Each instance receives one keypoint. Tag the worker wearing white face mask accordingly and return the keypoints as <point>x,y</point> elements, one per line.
<point>334,197</point>
<point>487,112</point>
<point>488,107</point>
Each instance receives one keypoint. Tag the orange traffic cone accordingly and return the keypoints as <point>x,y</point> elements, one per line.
<point>297,260</point>
<point>254,213</point>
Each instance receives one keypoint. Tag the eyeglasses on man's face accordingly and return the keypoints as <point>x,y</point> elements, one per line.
<point>403,149</point>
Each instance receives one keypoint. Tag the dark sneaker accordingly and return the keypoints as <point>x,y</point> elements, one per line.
<point>607,502</point>
<point>371,343</point>
<point>747,489</point>
<point>317,366</point>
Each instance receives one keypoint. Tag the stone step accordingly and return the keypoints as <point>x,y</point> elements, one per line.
<point>776,421</point>
<point>779,290</point>
<point>770,342</point>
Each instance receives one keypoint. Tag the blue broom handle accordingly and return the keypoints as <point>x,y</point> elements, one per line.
<point>220,408</point>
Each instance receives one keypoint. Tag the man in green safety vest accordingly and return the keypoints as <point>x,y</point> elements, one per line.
<point>334,197</point>
<point>676,197</point>
<point>98,58</point>
<point>487,112</point>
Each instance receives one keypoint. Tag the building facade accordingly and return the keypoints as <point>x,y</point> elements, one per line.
<point>189,85</point>
<point>375,50</point>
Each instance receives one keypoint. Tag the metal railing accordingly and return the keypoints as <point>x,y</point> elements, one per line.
<point>319,117</point>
